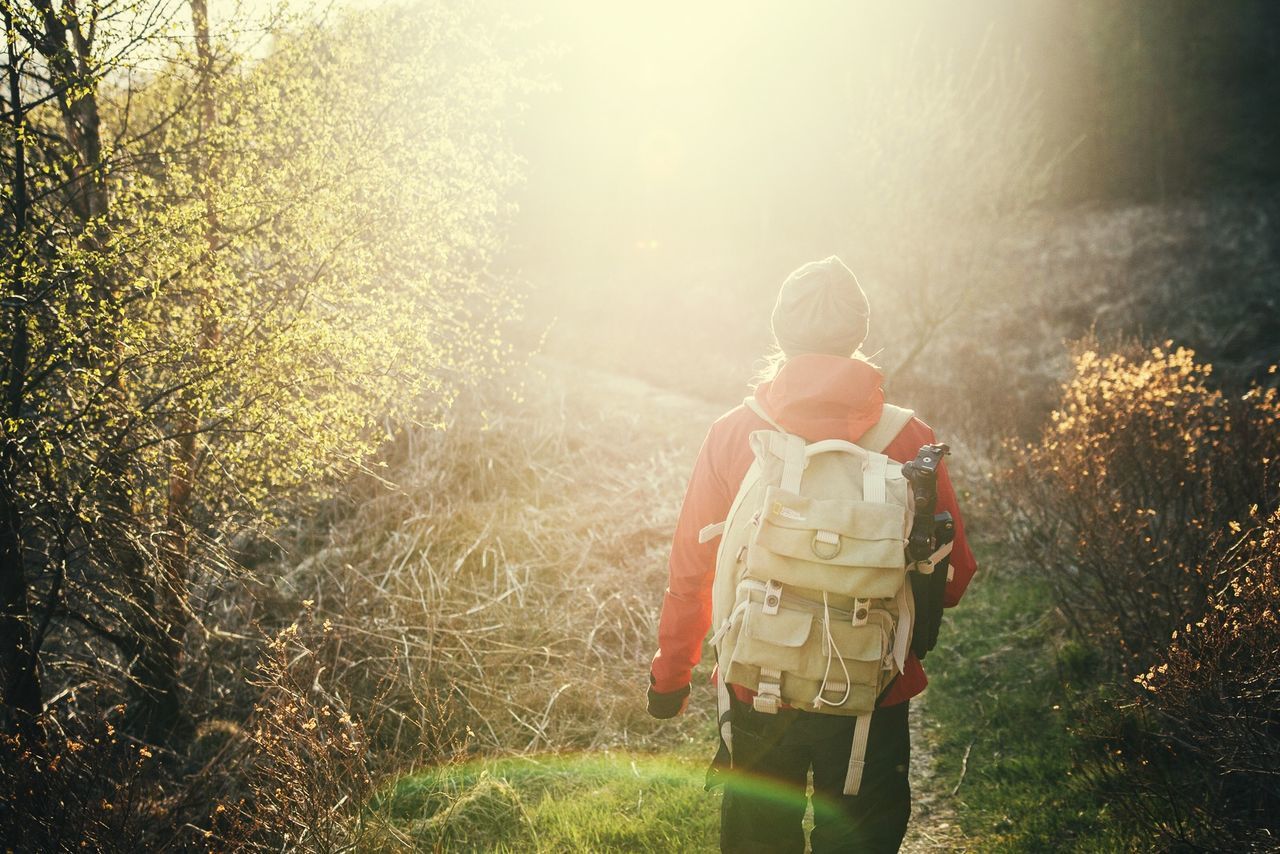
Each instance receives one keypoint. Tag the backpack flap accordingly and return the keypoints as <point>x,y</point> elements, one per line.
<point>845,546</point>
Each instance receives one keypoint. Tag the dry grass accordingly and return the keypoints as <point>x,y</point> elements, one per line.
<point>509,568</point>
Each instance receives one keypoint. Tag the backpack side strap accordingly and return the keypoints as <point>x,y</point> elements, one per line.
<point>858,754</point>
<point>892,420</point>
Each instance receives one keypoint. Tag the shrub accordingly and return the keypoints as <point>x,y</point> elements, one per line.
<point>87,786</point>
<point>83,784</point>
<point>1143,464</point>
<point>311,768</point>
<point>1198,748</point>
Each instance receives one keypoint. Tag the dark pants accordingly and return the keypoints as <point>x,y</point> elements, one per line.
<point>764,795</point>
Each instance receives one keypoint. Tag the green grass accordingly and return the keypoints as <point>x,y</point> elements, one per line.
<point>607,801</point>
<point>1001,685</point>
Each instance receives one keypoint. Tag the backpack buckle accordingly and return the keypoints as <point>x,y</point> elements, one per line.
<point>825,544</point>
<point>861,610</point>
<point>765,704</point>
<point>768,692</point>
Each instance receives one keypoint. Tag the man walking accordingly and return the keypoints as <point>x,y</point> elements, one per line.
<point>820,388</point>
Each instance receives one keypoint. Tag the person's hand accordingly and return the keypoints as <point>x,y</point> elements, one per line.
<point>668,705</point>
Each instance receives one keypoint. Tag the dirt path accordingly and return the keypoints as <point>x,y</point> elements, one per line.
<point>933,824</point>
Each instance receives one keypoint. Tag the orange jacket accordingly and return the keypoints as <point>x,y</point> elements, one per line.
<point>816,397</point>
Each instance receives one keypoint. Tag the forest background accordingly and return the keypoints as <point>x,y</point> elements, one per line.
<point>353,360</point>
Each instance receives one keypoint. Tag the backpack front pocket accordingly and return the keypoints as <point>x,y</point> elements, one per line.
<point>857,657</point>
<point>770,642</point>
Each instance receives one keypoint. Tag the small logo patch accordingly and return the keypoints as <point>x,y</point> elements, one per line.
<point>780,509</point>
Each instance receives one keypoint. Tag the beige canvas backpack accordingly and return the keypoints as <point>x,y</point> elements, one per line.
<point>810,604</point>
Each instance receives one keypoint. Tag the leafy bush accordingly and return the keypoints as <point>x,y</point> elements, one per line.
<point>230,266</point>
<point>1118,502</point>
<point>1134,505</point>
<point>91,786</point>
<point>1198,751</point>
<point>224,291</point>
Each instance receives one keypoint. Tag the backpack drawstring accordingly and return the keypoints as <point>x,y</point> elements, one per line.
<point>830,643</point>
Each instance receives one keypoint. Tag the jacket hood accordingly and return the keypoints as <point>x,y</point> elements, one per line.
<point>824,397</point>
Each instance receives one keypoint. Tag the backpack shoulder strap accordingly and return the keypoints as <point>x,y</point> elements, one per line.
<point>892,420</point>
<point>754,405</point>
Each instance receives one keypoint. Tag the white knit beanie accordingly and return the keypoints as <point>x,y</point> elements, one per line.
<point>821,309</point>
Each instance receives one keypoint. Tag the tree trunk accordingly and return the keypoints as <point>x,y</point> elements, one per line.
<point>20,696</point>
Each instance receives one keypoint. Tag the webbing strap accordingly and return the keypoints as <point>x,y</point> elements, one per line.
<point>874,472</point>
<point>858,755</point>
<point>791,450</point>
<point>728,623</point>
<point>902,635</point>
<point>772,597</point>
<point>926,566</point>
<point>788,447</point>
<point>710,532</point>
<point>723,715</point>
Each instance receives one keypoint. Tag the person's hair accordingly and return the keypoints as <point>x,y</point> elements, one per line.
<point>770,363</point>
<point>773,360</point>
